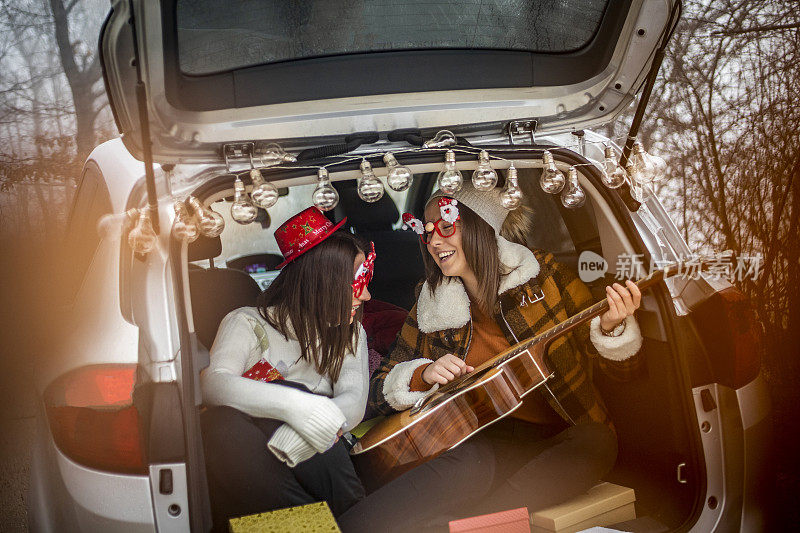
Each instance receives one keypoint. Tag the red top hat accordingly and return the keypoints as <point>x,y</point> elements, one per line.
<point>302,232</point>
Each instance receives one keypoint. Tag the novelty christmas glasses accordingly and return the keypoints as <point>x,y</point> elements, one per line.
<point>364,273</point>
<point>444,226</point>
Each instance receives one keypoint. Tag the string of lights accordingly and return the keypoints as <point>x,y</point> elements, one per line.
<point>193,219</point>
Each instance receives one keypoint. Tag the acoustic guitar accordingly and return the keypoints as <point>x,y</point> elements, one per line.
<point>453,413</point>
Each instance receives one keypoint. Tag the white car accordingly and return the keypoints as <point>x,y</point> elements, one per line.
<point>333,83</point>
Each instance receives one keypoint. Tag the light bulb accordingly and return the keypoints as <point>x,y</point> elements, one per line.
<point>644,171</point>
<point>242,210</point>
<point>573,196</point>
<point>142,238</point>
<point>370,188</point>
<point>613,174</point>
<point>325,197</point>
<point>511,197</point>
<point>440,140</point>
<point>264,193</point>
<point>485,177</point>
<point>184,226</point>
<point>659,166</point>
<point>209,221</point>
<point>450,179</point>
<point>639,191</point>
<point>399,177</point>
<point>552,180</point>
<point>273,154</point>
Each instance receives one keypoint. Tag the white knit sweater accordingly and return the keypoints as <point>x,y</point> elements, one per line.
<point>311,420</point>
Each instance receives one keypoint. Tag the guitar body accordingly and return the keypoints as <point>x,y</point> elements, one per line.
<point>449,417</point>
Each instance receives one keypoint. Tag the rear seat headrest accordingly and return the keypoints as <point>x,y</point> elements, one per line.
<point>205,248</point>
<point>364,216</point>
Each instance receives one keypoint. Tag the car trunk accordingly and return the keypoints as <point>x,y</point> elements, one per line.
<point>218,85</point>
<point>659,452</point>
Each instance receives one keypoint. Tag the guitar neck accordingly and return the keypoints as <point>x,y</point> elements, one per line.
<point>562,328</point>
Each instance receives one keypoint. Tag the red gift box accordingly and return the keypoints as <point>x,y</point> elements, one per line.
<point>513,521</point>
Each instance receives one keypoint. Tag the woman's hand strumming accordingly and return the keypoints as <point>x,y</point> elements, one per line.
<point>445,369</point>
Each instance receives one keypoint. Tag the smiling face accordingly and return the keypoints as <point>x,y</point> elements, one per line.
<point>365,295</point>
<point>447,252</point>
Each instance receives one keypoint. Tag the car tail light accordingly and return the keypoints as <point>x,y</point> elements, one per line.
<point>732,336</point>
<point>93,420</point>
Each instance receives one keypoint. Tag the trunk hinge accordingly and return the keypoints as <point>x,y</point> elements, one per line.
<point>625,190</point>
<point>238,153</point>
<point>521,127</point>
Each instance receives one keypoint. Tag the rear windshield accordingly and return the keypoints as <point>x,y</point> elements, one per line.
<point>217,37</point>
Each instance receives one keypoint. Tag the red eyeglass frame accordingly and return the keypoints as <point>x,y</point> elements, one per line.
<point>424,236</point>
<point>364,273</point>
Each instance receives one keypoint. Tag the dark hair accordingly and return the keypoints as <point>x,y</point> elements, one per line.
<point>480,250</point>
<point>311,300</point>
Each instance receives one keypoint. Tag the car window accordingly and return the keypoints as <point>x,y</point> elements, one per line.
<point>92,201</point>
<point>255,32</point>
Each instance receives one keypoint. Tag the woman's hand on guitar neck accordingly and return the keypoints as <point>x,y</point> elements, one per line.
<point>445,369</point>
<point>622,302</point>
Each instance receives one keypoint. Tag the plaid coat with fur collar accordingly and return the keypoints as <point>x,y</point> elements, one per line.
<point>536,294</point>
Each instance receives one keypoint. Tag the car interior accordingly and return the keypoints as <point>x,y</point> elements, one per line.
<point>654,437</point>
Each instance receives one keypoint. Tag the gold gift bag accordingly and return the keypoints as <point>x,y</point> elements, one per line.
<point>311,518</point>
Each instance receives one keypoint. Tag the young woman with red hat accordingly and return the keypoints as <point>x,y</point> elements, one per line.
<point>288,377</point>
<point>482,294</point>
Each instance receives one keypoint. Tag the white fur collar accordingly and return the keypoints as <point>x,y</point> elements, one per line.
<point>449,306</point>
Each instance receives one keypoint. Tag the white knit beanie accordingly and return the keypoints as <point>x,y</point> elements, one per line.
<point>485,204</point>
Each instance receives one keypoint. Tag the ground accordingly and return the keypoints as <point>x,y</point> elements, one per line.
<point>17,398</point>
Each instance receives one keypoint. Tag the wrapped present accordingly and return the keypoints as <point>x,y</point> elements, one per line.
<point>513,521</point>
<point>263,371</point>
<point>311,518</point>
<point>604,504</point>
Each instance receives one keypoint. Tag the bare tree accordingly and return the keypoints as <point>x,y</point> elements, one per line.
<point>50,101</point>
<point>724,113</point>
<point>81,65</point>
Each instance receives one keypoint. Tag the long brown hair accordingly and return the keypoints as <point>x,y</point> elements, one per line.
<point>480,250</point>
<point>311,300</point>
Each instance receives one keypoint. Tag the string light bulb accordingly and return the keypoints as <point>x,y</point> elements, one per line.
<point>660,166</point>
<point>209,221</point>
<point>440,140</point>
<point>399,177</point>
<point>511,197</point>
<point>184,226</point>
<point>643,168</point>
<point>485,177</point>
<point>552,180</point>
<point>370,188</point>
<point>142,239</point>
<point>450,178</point>
<point>264,193</point>
<point>242,210</point>
<point>325,197</point>
<point>273,154</point>
<point>613,174</point>
<point>573,196</point>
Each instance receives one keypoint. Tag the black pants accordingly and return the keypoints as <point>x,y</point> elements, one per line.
<point>511,464</point>
<point>245,477</point>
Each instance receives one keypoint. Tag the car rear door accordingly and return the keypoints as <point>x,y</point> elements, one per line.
<point>304,72</point>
